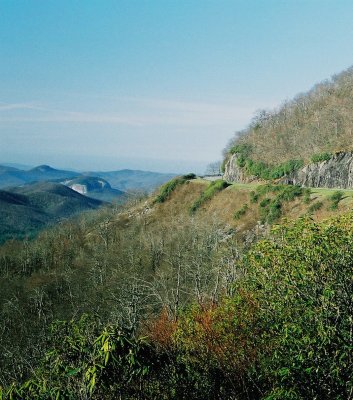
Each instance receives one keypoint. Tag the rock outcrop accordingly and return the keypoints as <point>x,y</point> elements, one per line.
<point>233,173</point>
<point>337,172</point>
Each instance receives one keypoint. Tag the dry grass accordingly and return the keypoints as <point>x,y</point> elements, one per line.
<point>223,205</point>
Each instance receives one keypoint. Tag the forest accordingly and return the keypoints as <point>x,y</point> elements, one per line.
<point>159,299</point>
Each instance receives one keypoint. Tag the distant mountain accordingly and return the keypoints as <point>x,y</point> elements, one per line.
<point>123,180</point>
<point>24,167</point>
<point>97,188</point>
<point>128,179</point>
<point>25,210</point>
<point>46,173</point>
<point>10,176</point>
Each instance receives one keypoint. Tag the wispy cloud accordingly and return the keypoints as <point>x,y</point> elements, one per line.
<point>18,106</point>
<point>138,112</point>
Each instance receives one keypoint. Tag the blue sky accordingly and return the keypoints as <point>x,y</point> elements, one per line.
<point>158,85</point>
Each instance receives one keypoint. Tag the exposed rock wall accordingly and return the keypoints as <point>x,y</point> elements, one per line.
<point>233,173</point>
<point>337,172</point>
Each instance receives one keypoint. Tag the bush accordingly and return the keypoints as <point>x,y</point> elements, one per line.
<point>213,188</point>
<point>307,195</point>
<point>316,158</point>
<point>303,281</point>
<point>315,206</point>
<point>87,360</point>
<point>241,149</point>
<point>335,198</point>
<point>271,209</point>
<point>168,188</point>
<point>260,169</point>
<point>189,177</point>
<point>238,214</point>
<point>254,197</point>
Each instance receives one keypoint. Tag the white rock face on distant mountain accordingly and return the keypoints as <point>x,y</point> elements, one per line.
<point>91,186</point>
<point>79,188</point>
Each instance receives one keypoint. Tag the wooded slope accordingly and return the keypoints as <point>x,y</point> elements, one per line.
<point>318,121</point>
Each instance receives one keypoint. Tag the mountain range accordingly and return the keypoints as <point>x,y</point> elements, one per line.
<point>34,198</point>
<point>123,180</point>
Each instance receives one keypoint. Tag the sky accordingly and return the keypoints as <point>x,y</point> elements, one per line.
<point>157,85</point>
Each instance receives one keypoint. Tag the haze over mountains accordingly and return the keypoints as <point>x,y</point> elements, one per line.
<point>31,199</point>
<point>123,180</point>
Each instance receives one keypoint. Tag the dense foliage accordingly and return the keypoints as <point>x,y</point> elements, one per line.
<point>261,169</point>
<point>282,330</point>
<point>144,301</point>
<point>272,198</point>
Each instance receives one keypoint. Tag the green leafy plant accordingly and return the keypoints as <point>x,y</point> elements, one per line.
<point>271,207</point>
<point>86,360</point>
<point>315,206</point>
<point>168,188</point>
<point>301,277</point>
<point>307,195</point>
<point>335,198</point>
<point>254,197</point>
<point>316,158</point>
<point>242,211</point>
<point>213,188</point>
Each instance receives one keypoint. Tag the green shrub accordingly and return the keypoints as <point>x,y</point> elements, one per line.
<point>307,195</point>
<point>260,169</point>
<point>242,211</point>
<point>335,198</point>
<point>315,206</point>
<point>302,280</point>
<point>263,171</point>
<point>189,177</point>
<point>254,197</point>
<point>213,188</point>
<point>241,149</point>
<point>223,166</point>
<point>261,190</point>
<point>168,188</point>
<point>264,203</point>
<point>271,209</point>
<point>316,158</point>
<point>87,360</point>
<point>289,192</point>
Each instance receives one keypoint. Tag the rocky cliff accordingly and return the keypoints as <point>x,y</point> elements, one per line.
<point>233,173</point>
<point>337,172</point>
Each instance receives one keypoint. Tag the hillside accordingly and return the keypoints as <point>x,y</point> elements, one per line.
<point>27,209</point>
<point>121,180</point>
<point>182,269</point>
<point>10,176</point>
<point>314,123</point>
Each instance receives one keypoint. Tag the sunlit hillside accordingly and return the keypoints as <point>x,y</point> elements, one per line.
<point>319,121</point>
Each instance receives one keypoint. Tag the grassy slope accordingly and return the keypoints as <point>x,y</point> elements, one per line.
<point>223,205</point>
